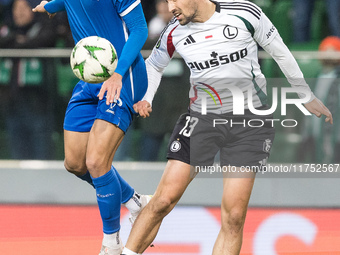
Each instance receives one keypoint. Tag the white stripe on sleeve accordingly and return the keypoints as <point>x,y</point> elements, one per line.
<point>130,8</point>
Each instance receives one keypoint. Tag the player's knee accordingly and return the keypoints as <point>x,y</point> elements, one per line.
<point>97,166</point>
<point>233,220</point>
<point>161,205</point>
<point>75,167</point>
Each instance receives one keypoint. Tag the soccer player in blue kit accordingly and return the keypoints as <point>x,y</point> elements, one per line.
<point>98,115</point>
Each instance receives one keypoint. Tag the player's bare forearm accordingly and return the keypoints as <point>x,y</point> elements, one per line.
<point>317,108</point>
<point>143,108</point>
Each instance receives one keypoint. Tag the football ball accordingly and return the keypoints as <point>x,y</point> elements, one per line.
<point>93,59</point>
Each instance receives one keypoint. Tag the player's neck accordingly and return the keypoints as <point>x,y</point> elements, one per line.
<point>206,10</point>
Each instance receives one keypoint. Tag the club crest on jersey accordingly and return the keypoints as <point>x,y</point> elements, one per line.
<point>230,32</point>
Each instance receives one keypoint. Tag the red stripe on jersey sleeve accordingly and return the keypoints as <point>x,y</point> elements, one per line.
<point>170,46</point>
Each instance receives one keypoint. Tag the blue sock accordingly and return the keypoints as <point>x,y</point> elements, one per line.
<point>86,177</point>
<point>127,190</point>
<point>109,198</point>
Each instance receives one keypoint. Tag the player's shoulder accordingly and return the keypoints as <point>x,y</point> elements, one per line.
<point>173,23</point>
<point>171,27</point>
<point>242,8</point>
<point>167,32</point>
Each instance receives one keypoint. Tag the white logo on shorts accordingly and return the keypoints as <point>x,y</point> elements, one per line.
<point>119,102</point>
<point>267,145</point>
<point>263,164</point>
<point>175,146</point>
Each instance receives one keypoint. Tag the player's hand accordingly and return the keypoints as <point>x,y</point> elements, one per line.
<point>41,8</point>
<point>318,108</point>
<point>143,108</point>
<point>112,86</point>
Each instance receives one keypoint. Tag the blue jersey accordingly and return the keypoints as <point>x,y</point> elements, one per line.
<point>106,18</point>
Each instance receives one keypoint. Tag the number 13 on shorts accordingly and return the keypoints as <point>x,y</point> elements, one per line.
<point>190,124</point>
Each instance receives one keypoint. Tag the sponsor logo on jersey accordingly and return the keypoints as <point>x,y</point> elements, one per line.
<point>271,31</point>
<point>218,60</point>
<point>208,92</point>
<point>189,40</point>
<point>230,32</point>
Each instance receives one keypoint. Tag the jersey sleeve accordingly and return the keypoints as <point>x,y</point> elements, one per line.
<point>255,20</point>
<point>265,31</point>
<point>164,48</point>
<point>158,60</point>
<point>125,6</point>
<point>55,6</point>
<point>138,33</point>
<point>287,63</point>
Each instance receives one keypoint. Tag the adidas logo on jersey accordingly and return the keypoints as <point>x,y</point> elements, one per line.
<point>189,40</point>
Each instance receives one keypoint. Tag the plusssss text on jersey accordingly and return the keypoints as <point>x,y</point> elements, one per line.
<point>218,60</point>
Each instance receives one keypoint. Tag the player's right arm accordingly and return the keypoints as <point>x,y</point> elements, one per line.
<point>50,7</point>
<point>154,72</point>
<point>155,65</point>
<point>143,107</point>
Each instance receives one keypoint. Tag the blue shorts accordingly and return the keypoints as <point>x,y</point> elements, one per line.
<point>84,107</point>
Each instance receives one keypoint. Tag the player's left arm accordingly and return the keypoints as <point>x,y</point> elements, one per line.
<point>282,55</point>
<point>138,33</point>
<point>268,37</point>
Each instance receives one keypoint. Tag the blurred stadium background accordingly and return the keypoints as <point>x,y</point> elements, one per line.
<point>45,210</point>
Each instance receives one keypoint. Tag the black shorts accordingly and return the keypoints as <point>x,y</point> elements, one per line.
<point>242,140</point>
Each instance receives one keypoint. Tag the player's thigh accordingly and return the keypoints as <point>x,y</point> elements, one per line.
<point>250,148</point>
<point>75,144</point>
<point>104,139</point>
<point>191,143</point>
<point>111,123</point>
<point>79,117</point>
<point>175,179</point>
<point>236,194</point>
<point>82,108</point>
